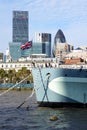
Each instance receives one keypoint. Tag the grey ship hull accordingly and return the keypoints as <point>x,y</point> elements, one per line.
<point>60,86</point>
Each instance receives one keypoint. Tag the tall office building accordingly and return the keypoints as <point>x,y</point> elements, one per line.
<point>45,40</point>
<point>20,26</point>
<point>59,37</point>
<point>60,46</point>
<point>19,34</point>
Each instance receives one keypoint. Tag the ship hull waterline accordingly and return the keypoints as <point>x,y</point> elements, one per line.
<point>60,87</point>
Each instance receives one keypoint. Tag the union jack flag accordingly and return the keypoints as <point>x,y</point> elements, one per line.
<point>27,45</point>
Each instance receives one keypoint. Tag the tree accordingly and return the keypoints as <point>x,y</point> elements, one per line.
<point>11,76</point>
<point>3,75</point>
<point>23,73</point>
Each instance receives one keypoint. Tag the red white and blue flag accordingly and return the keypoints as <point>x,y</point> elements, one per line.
<point>27,45</point>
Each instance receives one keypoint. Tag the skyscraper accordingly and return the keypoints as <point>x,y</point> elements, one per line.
<point>20,26</point>
<point>60,46</point>
<point>59,37</point>
<point>45,40</point>
<point>19,34</point>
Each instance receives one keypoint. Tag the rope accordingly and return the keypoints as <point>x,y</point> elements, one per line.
<point>45,87</point>
<point>13,86</point>
<point>26,99</point>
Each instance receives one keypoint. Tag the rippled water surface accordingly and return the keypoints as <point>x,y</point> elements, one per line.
<point>31,117</point>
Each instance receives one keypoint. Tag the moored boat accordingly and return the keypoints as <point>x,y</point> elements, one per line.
<point>60,85</point>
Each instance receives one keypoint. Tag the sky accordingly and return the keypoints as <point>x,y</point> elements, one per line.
<point>46,16</point>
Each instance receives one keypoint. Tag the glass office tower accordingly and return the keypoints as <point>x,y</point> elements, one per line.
<point>45,40</point>
<point>20,26</point>
<point>19,34</point>
<point>60,46</point>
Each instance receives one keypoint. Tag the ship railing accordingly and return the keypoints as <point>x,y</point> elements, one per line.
<point>74,66</point>
<point>56,65</point>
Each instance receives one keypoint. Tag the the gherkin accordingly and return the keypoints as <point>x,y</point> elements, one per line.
<point>59,37</point>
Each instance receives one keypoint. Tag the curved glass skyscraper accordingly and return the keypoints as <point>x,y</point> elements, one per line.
<point>60,46</point>
<point>59,37</point>
<point>58,40</point>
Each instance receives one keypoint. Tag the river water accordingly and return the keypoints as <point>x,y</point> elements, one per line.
<point>31,117</point>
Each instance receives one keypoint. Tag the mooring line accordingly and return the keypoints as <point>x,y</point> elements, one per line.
<point>26,98</point>
<point>13,86</point>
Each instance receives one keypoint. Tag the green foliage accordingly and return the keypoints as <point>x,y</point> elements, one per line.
<point>11,76</point>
